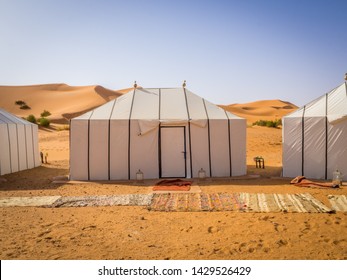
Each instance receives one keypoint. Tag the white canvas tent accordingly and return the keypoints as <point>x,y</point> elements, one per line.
<point>18,144</point>
<point>165,133</point>
<point>315,137</point>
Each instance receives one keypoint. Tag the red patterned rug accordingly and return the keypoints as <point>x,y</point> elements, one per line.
<point>173,185</point>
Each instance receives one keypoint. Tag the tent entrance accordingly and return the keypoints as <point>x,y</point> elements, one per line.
<point>172,152</point>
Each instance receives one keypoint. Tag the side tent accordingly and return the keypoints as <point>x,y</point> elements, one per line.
<point>315,137</point>
<point>18,144</point>
<point>165,133</point>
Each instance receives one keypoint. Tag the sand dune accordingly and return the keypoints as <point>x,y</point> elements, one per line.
<point>65,102</point>
<point>263,109</point>
<point>61,100</point>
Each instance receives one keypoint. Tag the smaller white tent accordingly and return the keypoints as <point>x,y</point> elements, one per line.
<point>18,144</point>
<point>315,137</point>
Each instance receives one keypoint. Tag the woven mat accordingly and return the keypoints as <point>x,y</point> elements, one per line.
<point>103,200</point>
<point>28,201</point>
<point>299,203</point>
<point>338,202</point>
<point>181,202</point>
<point>241,202</point>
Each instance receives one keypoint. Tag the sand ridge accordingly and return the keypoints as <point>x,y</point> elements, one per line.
<point>61,100</point>
<point>261,110</point>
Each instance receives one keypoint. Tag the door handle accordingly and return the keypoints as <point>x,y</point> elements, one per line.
<point>184,154</point>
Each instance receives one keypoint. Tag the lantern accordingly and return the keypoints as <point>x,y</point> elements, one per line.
<point>139,175</point>
<point>202,174</point>
<point>337,178</point>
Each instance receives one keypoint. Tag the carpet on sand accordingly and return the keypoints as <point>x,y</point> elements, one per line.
<point>103,200</point>
<point>241,202</point>
<point>338,202</point>
<point>28,201</point>
<point>172,185</point>
<point>193,202</point>
<point>295,203</point>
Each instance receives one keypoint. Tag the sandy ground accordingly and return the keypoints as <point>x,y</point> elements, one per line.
<point>133,232</point>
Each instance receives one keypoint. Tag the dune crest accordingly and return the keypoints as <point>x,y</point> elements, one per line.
<point>61,100</point>
<point>262,109</point>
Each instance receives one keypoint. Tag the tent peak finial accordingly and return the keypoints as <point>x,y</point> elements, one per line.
<point>184,84</point>
<point>135,84</point>
<point>346,77</point>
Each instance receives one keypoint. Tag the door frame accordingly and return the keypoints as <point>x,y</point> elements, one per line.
<point>160,153</point>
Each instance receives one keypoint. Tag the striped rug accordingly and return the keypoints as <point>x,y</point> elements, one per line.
<point>300,203</point>
<point>338,202</point>
<point>241,202</point>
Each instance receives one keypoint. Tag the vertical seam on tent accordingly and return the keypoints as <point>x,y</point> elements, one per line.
<point>109,140</point>
<point>230,164</point>
<point>109,149</point>
<point>159,151</point>
<point>159,113</point>
<point>69,149</point>
<point>9,146</point>
<point>209,140</point>
<point>326,136</point>
<point>32,139</point>
<point>185,152</point>
<point>26,145</point>
<point>17,146</point>
<point>0,155</point>
<point>129,126</point>
<point>159,136</point>
<point>189,133</point>
<point>303,141</point>
<point>89,144</point>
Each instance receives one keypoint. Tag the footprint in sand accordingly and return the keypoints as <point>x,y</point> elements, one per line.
<point>213,229</point>
<point>282,242</point>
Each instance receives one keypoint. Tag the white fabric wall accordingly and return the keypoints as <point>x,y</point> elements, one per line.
<point>219,145</point>
<point>238,146</point>
<point>292,146</point>
<point>5,167</point>
<point>119,149</point>
<point>18,147</point>
<point>98,149</point>
<point>314,147</point>
<point>79,150</point>
<point>143,152</point>
<point>12,130</point>
<point>22,147</point>
<point>337,149</point>
<point>199,144</point>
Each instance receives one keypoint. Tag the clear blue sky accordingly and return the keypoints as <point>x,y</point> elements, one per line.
<point>228,51</point>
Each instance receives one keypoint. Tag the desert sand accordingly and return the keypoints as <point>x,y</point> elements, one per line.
<point>261,110</point>
<point>134,232</point>
<point>75,99</point>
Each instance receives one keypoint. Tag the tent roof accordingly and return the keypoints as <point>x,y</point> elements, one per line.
<point>332,104</point>
<point>160,104</point>
<point>8,118</point>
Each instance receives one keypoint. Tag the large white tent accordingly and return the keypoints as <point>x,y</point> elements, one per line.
<point>315,137</point>
<point>164,132</point>
<point>18,144</point>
